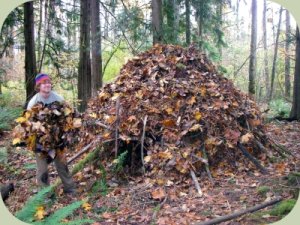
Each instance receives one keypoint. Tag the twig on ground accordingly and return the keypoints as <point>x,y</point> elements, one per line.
<point>207,165</point>
<point>142,143</point>
<point>239,213</point>
<point>117,127</point>
<point>197,185</point>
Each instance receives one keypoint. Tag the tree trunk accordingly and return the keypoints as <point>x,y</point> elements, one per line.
<point>176,17</point>
<point>48,8</point>
<point>252,61</point>
<point>219,25</point>
<point>84,69</point>
<point>295,112</point>
<point>187,22</point>
<point>170,10</point>
<point>199,19</point>
<point>157,21</point>
<point>287,81</point>
<point>30,61</point>
<point>275,56</point>
<point>39,47</point>
<point>266,61</point>
<point>96,67</point>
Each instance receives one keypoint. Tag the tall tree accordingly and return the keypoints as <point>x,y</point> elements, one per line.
<point>84,69</point>
<point>187,22</point>
<point>275,55</point>
<point>252,61</point>
<point>200,10</point>
<point>295,112</point>
<point>219,25</point>
<point>266,61</point>
<point>39,33</point>
<point>287,81</point>
<point>96,67</point>
<point>30,61</point>
<point>169,8</point>
<point>157,21</point>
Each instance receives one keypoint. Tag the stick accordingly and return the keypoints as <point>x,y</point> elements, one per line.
<point>197,185</point>
<point>200,159</point>
<point>83,150</point>
<point>207,165</point>
<point>261,147</point>
<point>239,213</point>
<point>102,125</point>
<point>86,148</point>
<point>280,148</point>
<point>117,126</point>
<point>142,142</point>
<point>252,158</point>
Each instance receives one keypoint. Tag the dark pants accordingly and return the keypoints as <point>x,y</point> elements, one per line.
<point>61,167</point>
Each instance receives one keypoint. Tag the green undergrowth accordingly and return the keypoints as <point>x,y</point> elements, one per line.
<point>262,191</point>
<point>283,208</point>
<point>3,155</point>
<point>280,210</point>
<point>27,213</point>
<point>7,117</point>
<point>279,108</point>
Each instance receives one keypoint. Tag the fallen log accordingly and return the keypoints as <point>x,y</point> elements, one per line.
<point>239,213</point>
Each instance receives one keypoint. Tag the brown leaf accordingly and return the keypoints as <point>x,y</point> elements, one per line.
<point>158,194</point>
<point>168,123</point>
<point>192,100</point>
<point>232,135</point>
<point>246,138</point>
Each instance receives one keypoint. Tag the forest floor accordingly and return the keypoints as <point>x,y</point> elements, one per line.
<point>130,200</point>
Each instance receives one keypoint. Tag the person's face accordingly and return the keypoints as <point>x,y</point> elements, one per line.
<point>45,86</point>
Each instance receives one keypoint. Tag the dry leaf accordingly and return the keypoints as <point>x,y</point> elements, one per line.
<point>158,194</point>
<point>93,115</point>
<point>198,116</point>
<point>192,100</point>
<point>147,158</point>
<point>168,123</point>
<point>246,138</point>
<point>169,110</point>
<point>40,213</point>
<point>77,123</point>
<point>21,120</point>
<point>86,206</point>
<point>16,141</point>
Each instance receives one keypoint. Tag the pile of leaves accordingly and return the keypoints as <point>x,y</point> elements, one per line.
<point>47,127</point>
<point>171,111</point>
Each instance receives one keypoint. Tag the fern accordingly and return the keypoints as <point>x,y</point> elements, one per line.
<point>56,217</point>
<point>90,157</point>
<point>26,214</point>
<point>79,222</point>
<point>120,161</point>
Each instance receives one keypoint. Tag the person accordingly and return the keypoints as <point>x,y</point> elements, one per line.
<point>46,95</point>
